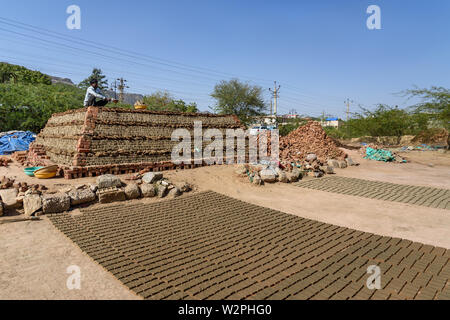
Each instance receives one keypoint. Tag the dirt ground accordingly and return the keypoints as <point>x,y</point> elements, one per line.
<point>34,256</point>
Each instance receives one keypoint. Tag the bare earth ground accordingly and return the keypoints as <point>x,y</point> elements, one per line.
<point>34,255</point>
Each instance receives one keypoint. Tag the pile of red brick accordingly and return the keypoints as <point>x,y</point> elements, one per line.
<point>4,161</point>
<point>310,138</point>
<point>20,157</point>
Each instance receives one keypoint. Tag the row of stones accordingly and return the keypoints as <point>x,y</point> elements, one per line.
<point>109,188</point>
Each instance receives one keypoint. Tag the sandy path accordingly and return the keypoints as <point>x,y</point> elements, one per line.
<point>34,261</point>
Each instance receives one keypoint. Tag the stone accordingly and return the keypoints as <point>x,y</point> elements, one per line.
<point>55,203</point>
<point>1,208</point>
<point>291,177</point>
<point>297,173</point>
<point>257,180</point>
<point>350,162</point>
<point>162,191</point>
<point>93,187</point>
<point>111,195</point>
<point>268,175</point>
<point>78,197</point>
<point>241,170</point>
<point>148,190</point>
<point>327,169</point>
<point>108,181</point>
<point>174,193</point>
<point>282,177</point>
<point>9,198</point>
<point>333,163</point>
<point>132,191</point>
<point>151,177</point>
<point>186,187</point>
<point>342,164</point>
<point>311,157</point>
<point>31,204</point>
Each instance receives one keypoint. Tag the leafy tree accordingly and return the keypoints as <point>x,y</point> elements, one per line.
<point>10,73</point>
<point>96,74</point>
<point>28,107</point>
<point>163,101</point>
<point>435,101</point>
<point>241,99</point>
<point>383,121</point>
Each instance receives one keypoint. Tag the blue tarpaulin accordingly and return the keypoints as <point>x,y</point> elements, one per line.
<point>15,141</point>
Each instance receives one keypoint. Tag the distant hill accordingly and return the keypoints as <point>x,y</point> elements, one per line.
<point>61,80</point>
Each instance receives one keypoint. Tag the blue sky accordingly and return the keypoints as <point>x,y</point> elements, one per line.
<point>320,52</point>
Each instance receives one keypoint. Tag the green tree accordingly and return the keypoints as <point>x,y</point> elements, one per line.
<point>96,74</point>
<point>164,101</point>
<point>28,107</point>
<point>241,99</point>
<point>10,73</point>
<point>435,102</point>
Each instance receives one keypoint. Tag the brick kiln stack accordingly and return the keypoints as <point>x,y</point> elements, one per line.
<point>93,141</point>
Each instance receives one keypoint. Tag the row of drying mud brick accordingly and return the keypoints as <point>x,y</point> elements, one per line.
<point>416,195</point>
<point>209,246</point>
<point>93,141</point>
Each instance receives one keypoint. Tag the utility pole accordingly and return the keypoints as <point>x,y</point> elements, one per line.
<point>114,88</point>
<point>122,86</point>
<point>347,102</point>
<point>275,92</point>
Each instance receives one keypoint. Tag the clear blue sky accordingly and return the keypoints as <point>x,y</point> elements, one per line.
<point>321,52</point>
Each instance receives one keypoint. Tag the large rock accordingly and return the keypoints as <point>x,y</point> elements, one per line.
<point>111,195</point>
<point>151,177</point>
<point>350,162</point>
<point>333,163</point>
<point>241,170</point>
<point>296,173</point>
<point>108,181</point>
<point>257,180</point>
<point>82,196</point>
<point>268,175</point>
<point>31,204</point>
<point>185,187</point>
<point>292,177</point>
<point>9,198</point>
<point>282,177</point>
<point>327,169</point>
<point>55,203</point>
<point>148,190</point>
<point>175,192</point>
<point>132,191</point>
<point>162,191</point>
<point>342,164</point>
<point>311,157</point>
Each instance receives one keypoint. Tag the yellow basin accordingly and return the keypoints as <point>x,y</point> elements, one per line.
<point>46,173</point>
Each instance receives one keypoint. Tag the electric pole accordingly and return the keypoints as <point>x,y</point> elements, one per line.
<point>275,92</point>
<point>114,88</point>
<point>347,102</point>
<point>122,86</point>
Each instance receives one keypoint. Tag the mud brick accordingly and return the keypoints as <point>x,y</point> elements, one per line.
<point>426,293</point>
<point>173,248</point>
